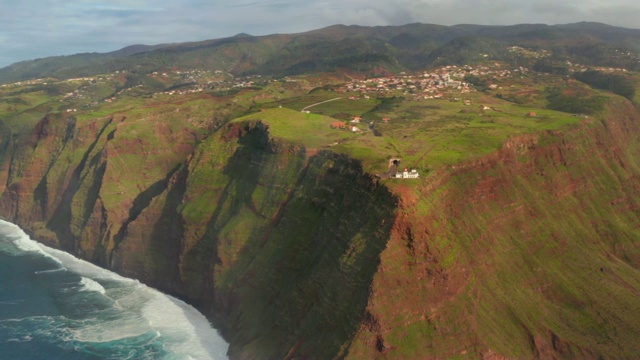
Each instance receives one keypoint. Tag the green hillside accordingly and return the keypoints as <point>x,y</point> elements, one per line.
<point>257,179</point>
<point>368,50</point>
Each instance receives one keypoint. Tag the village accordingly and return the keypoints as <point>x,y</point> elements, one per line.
<point>423,85</point>
<point>445,83</point>
<point>431,84</point>
<point>440,83</point>
<point>449,83</point>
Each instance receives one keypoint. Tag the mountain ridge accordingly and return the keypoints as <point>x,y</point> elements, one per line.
<point>403,47</point>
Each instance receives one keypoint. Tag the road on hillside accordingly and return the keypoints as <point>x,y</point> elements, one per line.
<point>321,102</point>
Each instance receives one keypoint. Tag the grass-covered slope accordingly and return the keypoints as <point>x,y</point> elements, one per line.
<point>297,241</point>
<point>530,252</point>
<point>520,238</point>
<point>239,223</point>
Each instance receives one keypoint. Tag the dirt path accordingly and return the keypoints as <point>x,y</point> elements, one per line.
<point>416,163</point>
<point>321,102</point>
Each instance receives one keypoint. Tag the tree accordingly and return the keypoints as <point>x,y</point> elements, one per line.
<point>575,104</point>
<point>480,84</point>
<point>549,67</point>
<point>617,84</point>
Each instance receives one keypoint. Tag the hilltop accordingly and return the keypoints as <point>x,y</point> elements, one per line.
<point>256,178</point>
<point>370,50</point>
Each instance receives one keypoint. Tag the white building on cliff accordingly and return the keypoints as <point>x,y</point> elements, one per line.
<point>406,174</point>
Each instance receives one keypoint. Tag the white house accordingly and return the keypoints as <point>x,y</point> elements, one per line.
<point>406,174</point>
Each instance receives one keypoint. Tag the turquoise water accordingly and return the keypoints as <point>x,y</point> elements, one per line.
<point>54,306</point>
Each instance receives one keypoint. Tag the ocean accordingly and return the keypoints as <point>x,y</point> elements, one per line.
<point>55,306</point>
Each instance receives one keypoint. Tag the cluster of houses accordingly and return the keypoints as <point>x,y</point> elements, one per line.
<point>342,125</point>
<point>188,75</point>
<point>432,82</point>
<point>536,54</point>
<point>429,84</point>
<point>198,80</point>
<point>609,69</point>
<point>244,82</point>
<point>45,81</point>
<point>353,124</point>
<point>76,94</point>
<point>185,91</point>
<point>247,81</point>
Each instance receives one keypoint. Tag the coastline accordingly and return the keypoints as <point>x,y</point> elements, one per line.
<point>179,327</point>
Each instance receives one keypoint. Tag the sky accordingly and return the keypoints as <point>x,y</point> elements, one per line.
<point>31,29</point>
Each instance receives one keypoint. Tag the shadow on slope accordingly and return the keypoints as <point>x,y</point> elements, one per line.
<point>312,232</point>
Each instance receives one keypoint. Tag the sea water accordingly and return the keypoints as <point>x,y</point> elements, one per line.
<point>54,306</point>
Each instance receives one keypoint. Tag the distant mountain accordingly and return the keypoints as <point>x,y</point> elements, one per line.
<point>360,48</point>
<point>68,66</point>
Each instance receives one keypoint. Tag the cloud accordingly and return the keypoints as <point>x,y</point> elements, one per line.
<point>38,28</point>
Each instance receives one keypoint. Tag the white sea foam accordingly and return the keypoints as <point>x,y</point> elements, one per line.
<point>82,267</point>
<point>21,340</point>
<point>143,310</point>
<point>50,271</point>
<point>91,285</point>
<point>21,240</point>
<point>124,327</point>
<point>187,331</point>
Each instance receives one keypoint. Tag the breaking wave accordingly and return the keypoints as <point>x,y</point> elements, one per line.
<point>57,306</point>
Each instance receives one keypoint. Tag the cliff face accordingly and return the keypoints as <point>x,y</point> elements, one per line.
<point>533,251</point>
<point>278,247</point>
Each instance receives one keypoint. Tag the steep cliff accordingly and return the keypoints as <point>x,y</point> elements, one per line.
<point>532,251</point>
<point>278,247</point>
